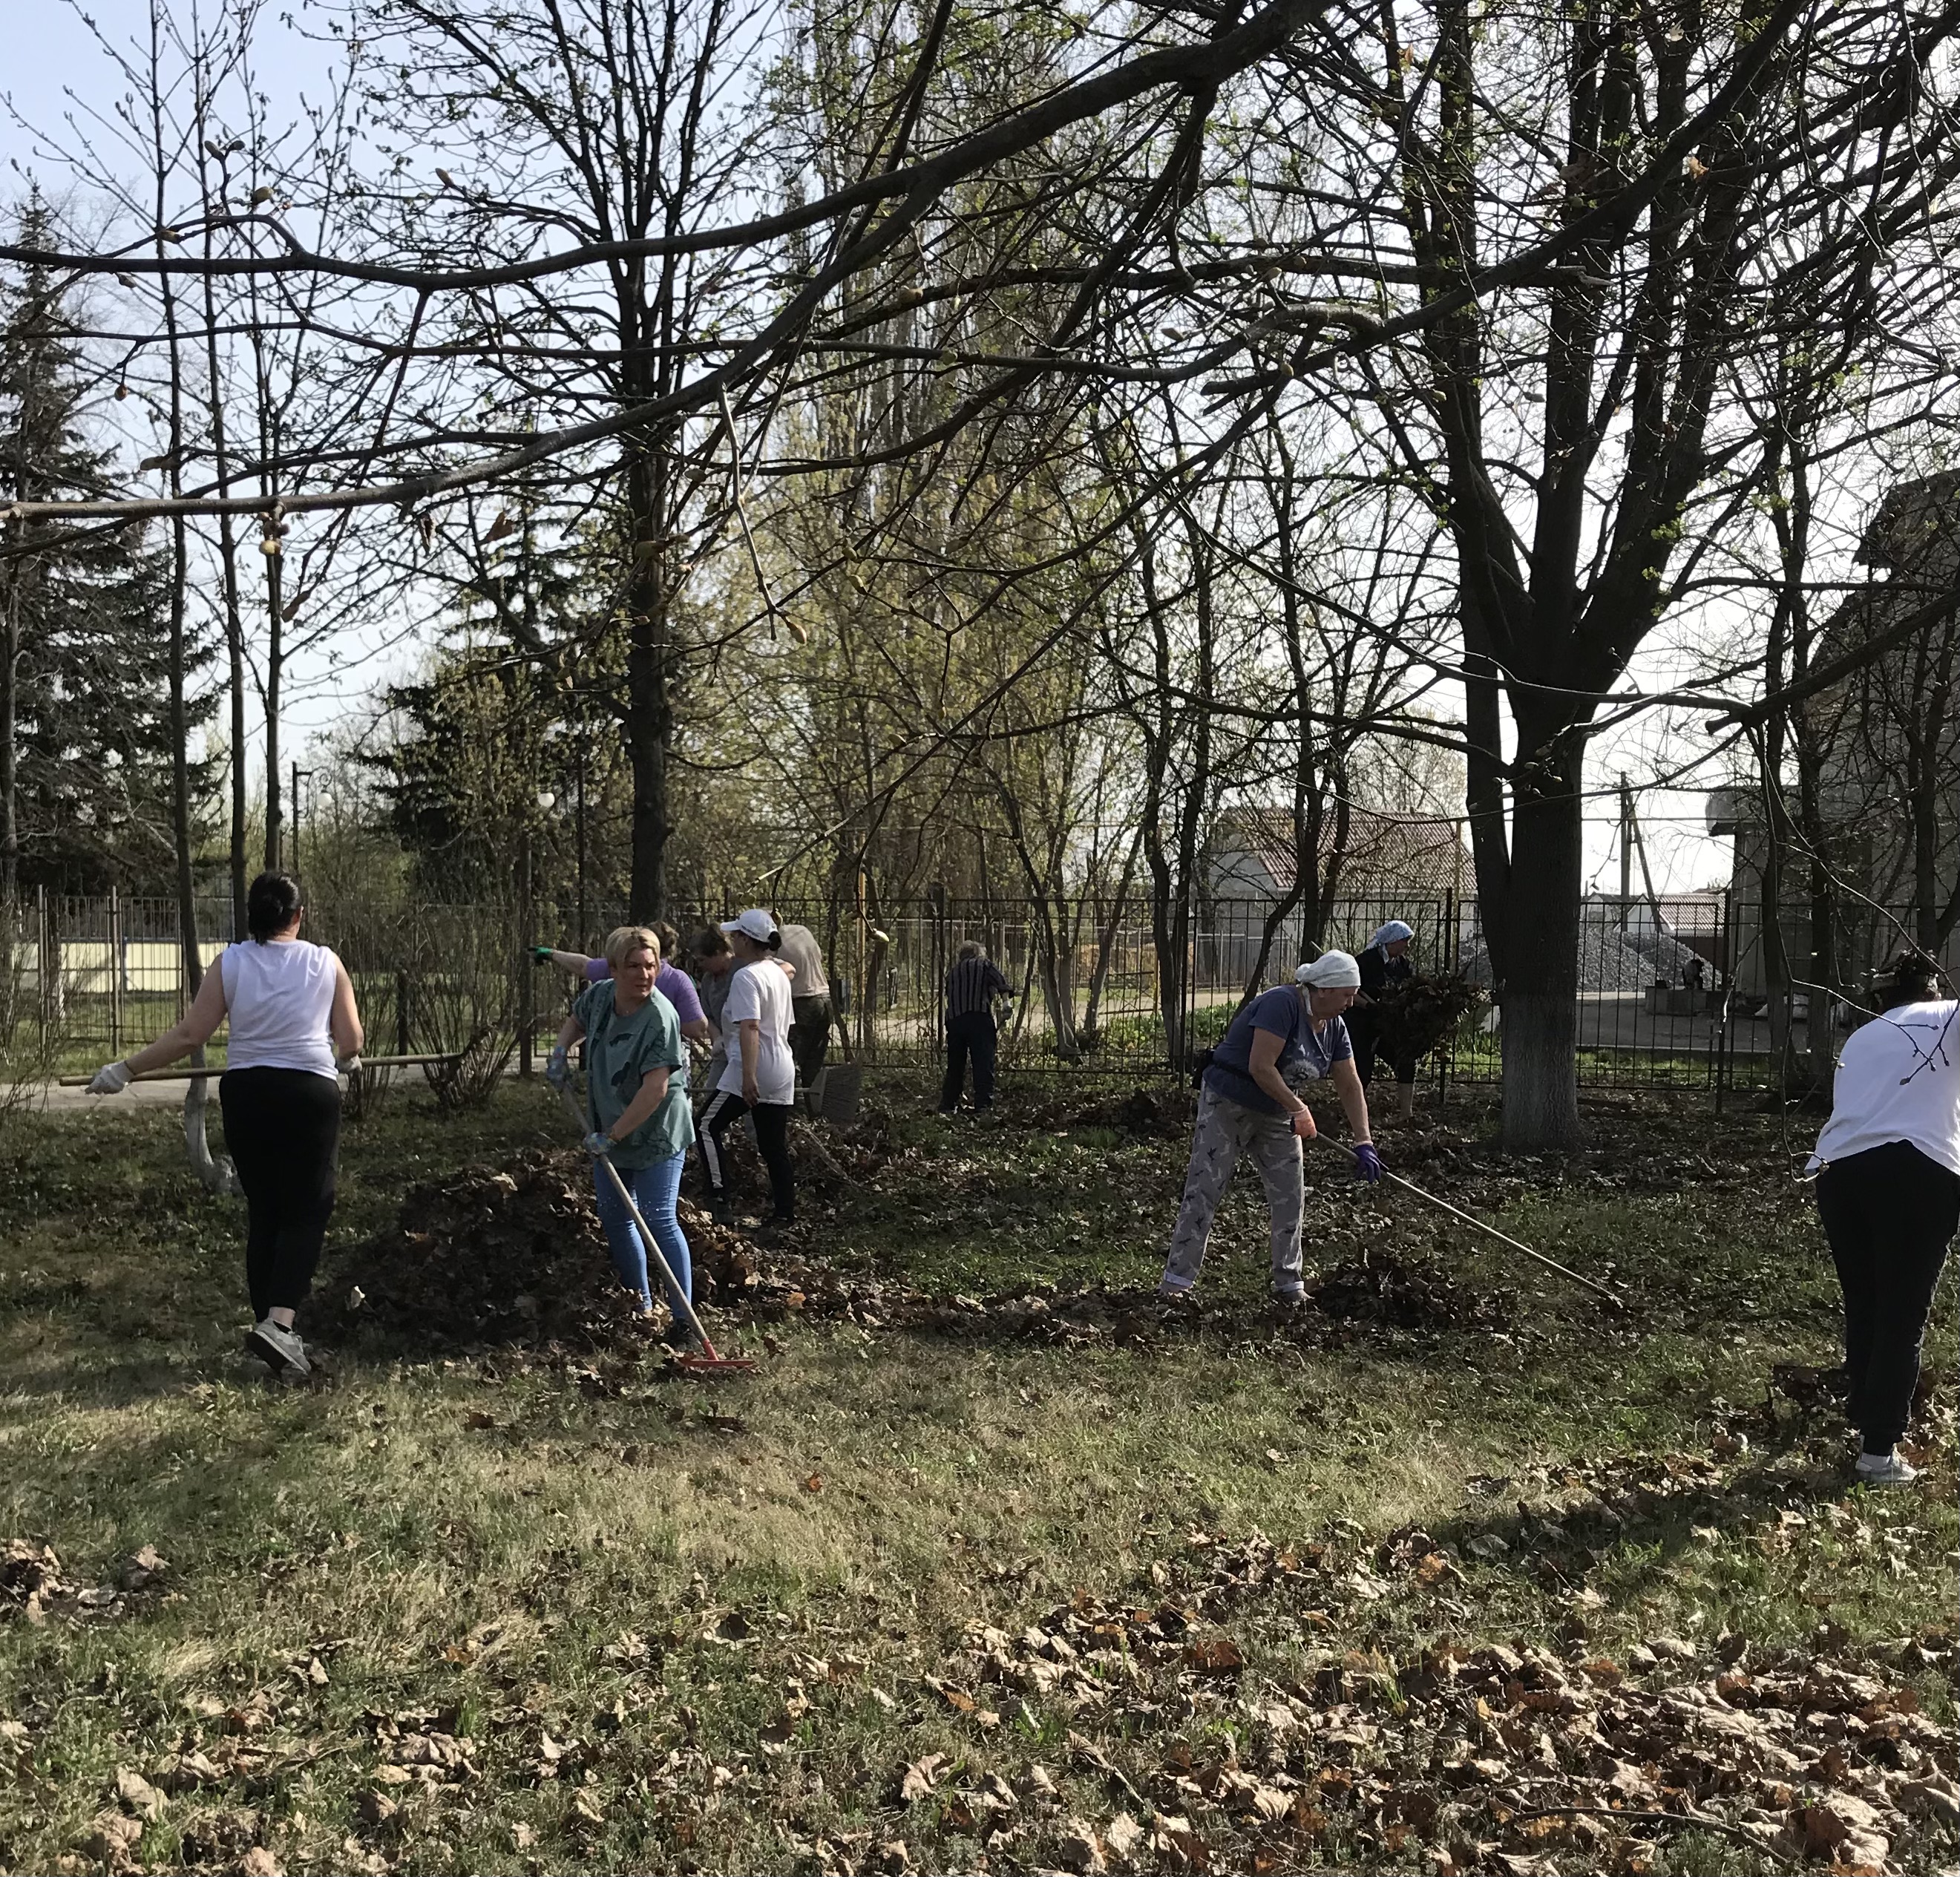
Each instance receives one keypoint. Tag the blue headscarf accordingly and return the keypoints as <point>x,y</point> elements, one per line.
<point>1388,933</point>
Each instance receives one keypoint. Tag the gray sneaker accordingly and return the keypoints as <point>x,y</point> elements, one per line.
<point>1884,1469</point>
<point>280,1349</point>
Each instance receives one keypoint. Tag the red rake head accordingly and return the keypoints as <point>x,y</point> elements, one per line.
<point>714,1368</point>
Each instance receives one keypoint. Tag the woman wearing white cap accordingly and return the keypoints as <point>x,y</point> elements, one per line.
<point>1385,964</point>
<point>1284,1036</point>
<point>760,1079</point>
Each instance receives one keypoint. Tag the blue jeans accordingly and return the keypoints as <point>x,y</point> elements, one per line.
<point>656,1190</point>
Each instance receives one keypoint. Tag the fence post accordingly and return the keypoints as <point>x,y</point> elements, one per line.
<point>115,972</point>
<point>401,1013</point>
<point>43,998</point>
<point>1724,947</point>
<point>1446,954</point>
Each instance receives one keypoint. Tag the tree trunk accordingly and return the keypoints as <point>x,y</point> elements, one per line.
<point>1540,1028</point>
<point>274,670</point>
<point>227,541</point>
<point>649,723</point>
<point>1105,940</point>
<point>10,666</point>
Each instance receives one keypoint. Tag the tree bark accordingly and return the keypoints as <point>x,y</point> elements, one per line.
<point>650,710</point>
<point>1540,1027</point>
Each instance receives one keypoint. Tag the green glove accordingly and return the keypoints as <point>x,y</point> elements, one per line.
<point>541,954</point>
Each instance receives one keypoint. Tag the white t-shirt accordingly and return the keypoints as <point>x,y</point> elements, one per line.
<point>761,994</point>
<point>278,998</point>
<point>1899,1080</point>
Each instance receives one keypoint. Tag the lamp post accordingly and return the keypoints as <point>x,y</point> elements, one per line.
<point>299,775</point>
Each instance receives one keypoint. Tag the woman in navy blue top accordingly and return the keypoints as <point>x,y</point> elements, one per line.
<point>1250,1105</point>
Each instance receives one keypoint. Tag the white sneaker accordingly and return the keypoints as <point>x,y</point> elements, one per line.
<point>279,1349</point>
<point>1885,1469</point>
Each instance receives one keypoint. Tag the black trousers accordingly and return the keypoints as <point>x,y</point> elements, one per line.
<point>772,1135</point>
<point>810,1035</point>
<point>1890,1214</point>
<point>1364,1032</point>
<point>282,1131</point>
<point>975,1035</point>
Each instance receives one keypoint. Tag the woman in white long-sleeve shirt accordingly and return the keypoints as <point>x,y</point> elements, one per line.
<point>1889,1193</point>
<point>290,1006</point>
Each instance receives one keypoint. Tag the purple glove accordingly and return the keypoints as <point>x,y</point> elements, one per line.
<point>1367,1162</point>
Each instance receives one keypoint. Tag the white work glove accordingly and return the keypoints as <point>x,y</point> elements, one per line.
<point>111,1079</point>
<point>557,1067</point>
<point>348,1064</point>
<point>597,1143</point>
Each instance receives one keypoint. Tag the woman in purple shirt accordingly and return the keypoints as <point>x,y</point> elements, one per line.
<point>669,981</point>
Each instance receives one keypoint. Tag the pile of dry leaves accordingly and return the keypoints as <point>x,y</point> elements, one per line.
<point>513,1256</point>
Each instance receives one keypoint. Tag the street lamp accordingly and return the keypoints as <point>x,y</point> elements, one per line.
<point>299,775</point>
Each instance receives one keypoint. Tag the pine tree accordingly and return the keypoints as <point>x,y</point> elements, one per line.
<point>85,744</point>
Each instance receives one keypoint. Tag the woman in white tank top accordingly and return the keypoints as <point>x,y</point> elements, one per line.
<point>291,1010</point>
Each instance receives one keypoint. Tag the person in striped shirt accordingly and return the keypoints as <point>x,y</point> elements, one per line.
<point>971,986</point>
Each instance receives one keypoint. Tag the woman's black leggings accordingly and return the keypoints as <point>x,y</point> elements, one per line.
<point>282,1131</point>
<point>772,1135</point>
<point>1890,1213</point>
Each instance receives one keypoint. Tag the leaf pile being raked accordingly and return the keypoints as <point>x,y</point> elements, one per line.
<point>513,1256</point>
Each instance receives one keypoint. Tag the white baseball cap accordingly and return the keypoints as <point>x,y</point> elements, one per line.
<point>755,924</point>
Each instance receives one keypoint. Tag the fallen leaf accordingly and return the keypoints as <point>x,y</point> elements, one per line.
<point>1214,1655</point>
<point>111,1838</point>
<point>1122,1837</point>
<point>136,1793</point>
<point>1077,1849</point>
<point>916,1781</point>
<point>1933,1795</point>
<point>814,1483</point>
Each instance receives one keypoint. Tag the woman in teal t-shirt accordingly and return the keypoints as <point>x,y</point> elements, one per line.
<point>636,1103</point>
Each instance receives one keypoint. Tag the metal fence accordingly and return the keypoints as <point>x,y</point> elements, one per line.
<point>1655,1007</point>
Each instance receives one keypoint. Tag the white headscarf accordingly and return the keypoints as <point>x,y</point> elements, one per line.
<point>1388,934</point>
<point>1331,970</point>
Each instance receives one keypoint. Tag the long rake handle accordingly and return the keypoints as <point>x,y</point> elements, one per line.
<point>678,1296</point>
<point>211,1075</point>
<point>1457,1212</point>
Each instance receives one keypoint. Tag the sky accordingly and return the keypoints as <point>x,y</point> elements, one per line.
<point>55,70</point>
<point>51,53</point>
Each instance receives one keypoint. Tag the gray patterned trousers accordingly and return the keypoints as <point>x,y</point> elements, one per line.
<point>1225,1130</point>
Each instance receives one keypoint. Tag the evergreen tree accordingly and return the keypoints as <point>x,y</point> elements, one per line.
<point>85,743</point>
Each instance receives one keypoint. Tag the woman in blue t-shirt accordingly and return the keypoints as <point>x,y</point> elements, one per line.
<point>1249,1106</point>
